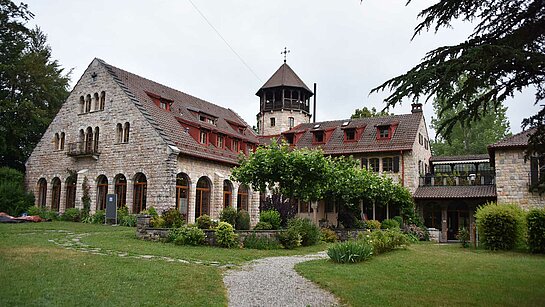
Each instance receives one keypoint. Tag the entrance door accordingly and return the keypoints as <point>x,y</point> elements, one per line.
<point>455,220</point>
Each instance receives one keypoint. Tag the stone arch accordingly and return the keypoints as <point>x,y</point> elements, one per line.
<point>96,139</point>
<point>96,100</point>
<point>88,103</point>
<point>55,194</point>
<point>62,141</point>
<point>119,133</point>
<point>88,140</point>
<point>42,192</point>
<point>81,104</point>
<point>120,189</point>
<point>102,100</point>
<point>56,141</point>
<point>182,193</point>
<point>126,129</point>
<point>242,197</point>
<point>202,197</point>
<point>139,193</point>
<point>227,193</point>
<point>102,191</point>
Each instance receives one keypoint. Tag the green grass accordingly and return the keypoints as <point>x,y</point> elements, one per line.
<point>35,271</point>
<point>435,275</point>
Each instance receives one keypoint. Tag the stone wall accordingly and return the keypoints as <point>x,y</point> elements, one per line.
<point>281,121</point>
<point>513,179</point>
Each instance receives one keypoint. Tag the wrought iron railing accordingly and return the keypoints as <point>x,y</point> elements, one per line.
<point>292,104</point>
<point>451,180</point>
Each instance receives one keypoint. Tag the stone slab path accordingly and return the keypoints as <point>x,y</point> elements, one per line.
<point>274,282</point>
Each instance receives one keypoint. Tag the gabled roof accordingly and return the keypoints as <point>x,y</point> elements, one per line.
<point>284,76</point>
<point>518,140</point>
<point>441,192</point>
<point>184,108</point>
<point>459,158</point>
<point>366,133</point>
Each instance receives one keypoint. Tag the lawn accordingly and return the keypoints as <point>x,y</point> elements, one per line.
<point>36,271</point>
<point>435,275</point>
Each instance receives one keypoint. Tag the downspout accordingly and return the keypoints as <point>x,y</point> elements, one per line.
<point>402,169</point>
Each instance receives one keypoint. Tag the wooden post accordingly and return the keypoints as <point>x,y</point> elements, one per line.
<point>374,216</point>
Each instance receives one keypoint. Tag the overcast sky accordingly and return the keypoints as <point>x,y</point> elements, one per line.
<point>346,47</point>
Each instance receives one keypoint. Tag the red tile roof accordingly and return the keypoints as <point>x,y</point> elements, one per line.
<point>441,192</point>
<point>517,140</point>
<point>184,108</point>
<point>284,76</point>
<point>403,138</point>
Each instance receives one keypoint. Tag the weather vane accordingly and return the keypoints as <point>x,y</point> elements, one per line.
<point>285,53</point>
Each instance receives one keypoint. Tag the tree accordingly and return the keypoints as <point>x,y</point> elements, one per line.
<point>32,86</point>
<point>365,112</point>
<point>464,138</point>
<point>504,54</point>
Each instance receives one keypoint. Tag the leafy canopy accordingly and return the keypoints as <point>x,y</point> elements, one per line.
<point>503,55</point>
<point>32,86</point>
<point>365,112</point>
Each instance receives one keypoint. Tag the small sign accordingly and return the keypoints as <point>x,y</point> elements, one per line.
<point>111,209</point>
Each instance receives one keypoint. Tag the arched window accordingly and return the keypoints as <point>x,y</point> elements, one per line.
<point>227,193</point>
<point>102,191</point>
<point>89,140</point>
<point>126,132</point>
<point>96,139</point>
<point>56,141</point>
<point>71,191</point>
<point>102,100</point>
<point>96,100</point>
<point>118,133</point>
<point>81,140</point>
<point>202,199</point>
<point>61,145</point>
<point>242,197</point>
<point>42,192</point>
<point>88,103</point>
<point>139,196</point>
<point>182,193</point>
<point>55,194</point>
<point>121,190</point>
<point>81,105</point>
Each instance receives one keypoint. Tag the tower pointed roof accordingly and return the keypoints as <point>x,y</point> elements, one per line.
<point>284,76</point>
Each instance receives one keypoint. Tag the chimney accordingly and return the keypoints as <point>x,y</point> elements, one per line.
<point>417,108</point>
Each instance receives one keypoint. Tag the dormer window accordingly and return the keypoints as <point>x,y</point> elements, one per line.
<point>350,134</point>
<point>384,132</point>
<point>164,104</point>
<point>318,137</point>
<point>206,119</point>
<point>236,145</point>
<point>220,141</point>
<point>289,138</point>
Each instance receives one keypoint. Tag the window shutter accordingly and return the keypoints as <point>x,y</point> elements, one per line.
<point>364,163</point>
<point>396,164</point>
<point>534,171</point>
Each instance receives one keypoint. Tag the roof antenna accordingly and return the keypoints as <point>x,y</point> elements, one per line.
<point>285,53</point>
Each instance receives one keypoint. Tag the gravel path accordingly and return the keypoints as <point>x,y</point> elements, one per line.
<point>274,282</point>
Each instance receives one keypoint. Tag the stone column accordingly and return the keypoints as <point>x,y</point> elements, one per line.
<point>62,196</point>
<point>314,206</point>
<point>444,224</point>
<point>130,195</point>
<point>191,203</point>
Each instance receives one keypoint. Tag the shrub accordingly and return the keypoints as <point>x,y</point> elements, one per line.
<point>14,199</point>
<point>286,207</point>
<point>186,235</point>
<point>127,220</point>
<point>173,218</point>
<point>501,227</point>
<point>263,226</point>
<point>310,233</point>
<point>254,242</point>
<point>225,235</point>
<point>389,224</point>
<point>272,217</point>
<point>290,238</point>
<point>399,220</point>
<point>386,240</point>
<point>229,215</point>
<point>463,237</point>
<point>350,251</point>
<point>205,222</point>
<point>157,222</point>
<point>328,235</point>
<point>536,230</point>
<point>359,224</point>
<point>421,233</point>
<point>372,224</point>
<point>243,220</point>
<point>98,217</point>
<point>71,215</point>
<point>34,210</point>
<point>150,211</point>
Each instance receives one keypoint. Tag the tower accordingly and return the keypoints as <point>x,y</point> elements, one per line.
<point>284,102</point>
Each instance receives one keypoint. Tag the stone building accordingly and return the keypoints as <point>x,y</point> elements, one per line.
<point>145,142</point>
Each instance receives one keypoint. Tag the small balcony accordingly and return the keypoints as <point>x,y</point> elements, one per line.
<point>83,150</point>
<point>457,180</point>
<point>289,104</point>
